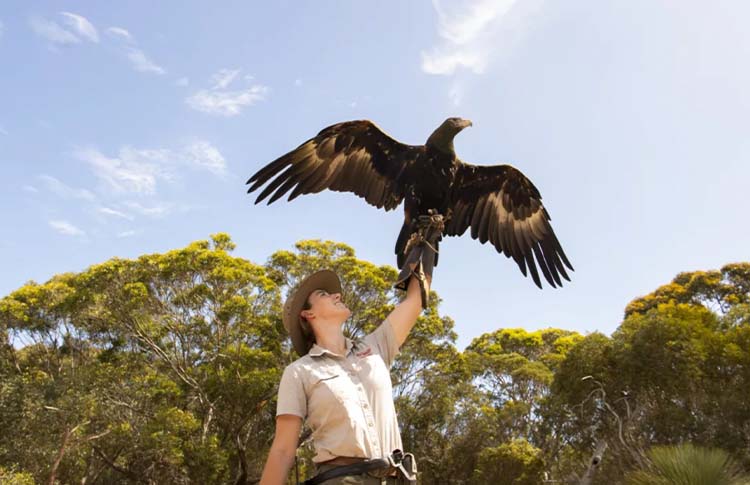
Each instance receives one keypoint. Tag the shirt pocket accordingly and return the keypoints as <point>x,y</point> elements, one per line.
<point>329,388</point>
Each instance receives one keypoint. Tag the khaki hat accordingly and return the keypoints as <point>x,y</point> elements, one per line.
<point>326,280</point>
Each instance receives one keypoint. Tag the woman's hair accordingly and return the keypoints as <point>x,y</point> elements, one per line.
<point>305,325</point>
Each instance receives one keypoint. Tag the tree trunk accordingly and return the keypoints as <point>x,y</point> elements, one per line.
<point>60,454</point>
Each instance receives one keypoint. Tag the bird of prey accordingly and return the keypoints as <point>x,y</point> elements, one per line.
<point>498,202</point>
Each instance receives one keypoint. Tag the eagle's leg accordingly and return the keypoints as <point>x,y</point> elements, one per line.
<point>420,253</point>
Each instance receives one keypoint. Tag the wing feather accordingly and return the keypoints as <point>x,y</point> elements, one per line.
<point>275,184</point>
<point>284,188</point>
<point>502,206</point>
<point>354,156</point>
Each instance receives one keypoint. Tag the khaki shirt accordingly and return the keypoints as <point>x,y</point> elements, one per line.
<point>347,400</point>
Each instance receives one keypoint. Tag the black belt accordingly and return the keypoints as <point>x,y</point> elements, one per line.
<point>342,471</point>
<point>394,460</point>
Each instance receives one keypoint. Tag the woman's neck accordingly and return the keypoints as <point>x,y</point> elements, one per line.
<point>331,338</point>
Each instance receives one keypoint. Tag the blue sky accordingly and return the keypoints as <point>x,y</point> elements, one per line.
<point>131,127</point>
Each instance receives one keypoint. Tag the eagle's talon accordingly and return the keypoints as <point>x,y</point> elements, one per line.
<point>435,222</point>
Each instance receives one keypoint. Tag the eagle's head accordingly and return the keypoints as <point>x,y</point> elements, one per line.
<point>442,137</point>
<point>456,124</point>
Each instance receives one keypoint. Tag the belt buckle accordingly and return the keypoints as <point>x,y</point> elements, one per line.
<point>396,461</point>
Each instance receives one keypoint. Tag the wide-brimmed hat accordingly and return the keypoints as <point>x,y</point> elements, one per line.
<point>326,280</point>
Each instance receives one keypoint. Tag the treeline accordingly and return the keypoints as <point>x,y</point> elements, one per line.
<point>164,369</point>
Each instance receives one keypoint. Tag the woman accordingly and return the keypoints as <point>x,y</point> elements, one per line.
<point>342,387</point>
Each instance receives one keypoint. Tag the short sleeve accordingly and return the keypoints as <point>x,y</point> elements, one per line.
<point>383,339</point>
<point>292,398</point>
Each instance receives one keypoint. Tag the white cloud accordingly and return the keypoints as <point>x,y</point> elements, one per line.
<point>220,101</point>
<point>138,59</point>
<point>65,191</point>
<point>52,31</point>
<point>159,210</point>
<point>126,234</point>
<point>30,188</point>
<point>56,34</point>
<point>66,228</point>
<point>115,213</point>
<point>81,25</point>
<point>183,81</point>
<point>142,63</point>
<point>226,103</point>
<point>133,171</point>
<point>446,61</point>
<point>138,171</point>
<point>298,82</point>
<point>120,33</point>
<point>468,30</point>
<point>469,20</point>
<point>205,155</point>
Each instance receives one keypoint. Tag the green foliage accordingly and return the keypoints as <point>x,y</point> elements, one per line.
<point>688,465</point>
<point>716,290</point>
<point>516,463</point>
<point>675,370</point>
<point>128,364</point>
<point>164,369</point>
<point>10,477</point>
<point>514,368</point>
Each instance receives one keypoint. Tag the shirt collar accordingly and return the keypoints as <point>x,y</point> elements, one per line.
<point>317,351</point>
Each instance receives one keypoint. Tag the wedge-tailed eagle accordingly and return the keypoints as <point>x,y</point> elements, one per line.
<point>498,202</point>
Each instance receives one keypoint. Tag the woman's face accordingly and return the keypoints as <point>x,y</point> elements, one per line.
<point>328,306</point>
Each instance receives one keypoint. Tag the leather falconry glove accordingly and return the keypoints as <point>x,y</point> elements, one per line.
<point>421,252</point>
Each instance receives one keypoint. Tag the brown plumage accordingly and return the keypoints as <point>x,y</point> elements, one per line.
<point>498,203</point>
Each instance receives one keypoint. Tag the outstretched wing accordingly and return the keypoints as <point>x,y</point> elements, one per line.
<point>354,156</point>
<point>503,207</point>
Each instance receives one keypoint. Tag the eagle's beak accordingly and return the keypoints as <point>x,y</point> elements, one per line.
<point>468,123</point>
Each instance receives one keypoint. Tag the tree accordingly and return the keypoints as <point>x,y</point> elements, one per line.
<point>574,417</point>
<point>675,370</point>
<point>154,368</point>
<point>718,291</point>
<point>516,462</point>
<point>164,369</point>
<point>512,370</point>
